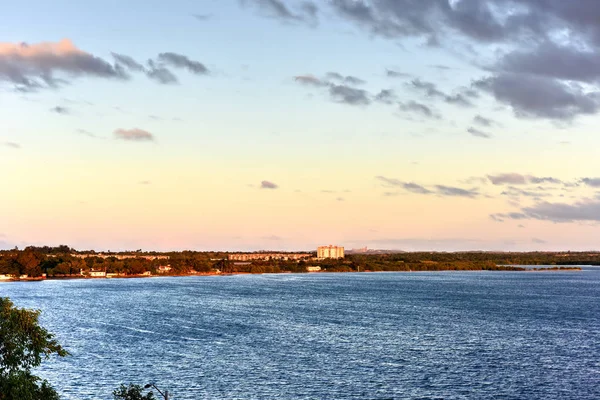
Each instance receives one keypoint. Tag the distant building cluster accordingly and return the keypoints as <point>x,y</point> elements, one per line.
<point>330,252</point>
<point>120,256</point>
<point>268,256</point>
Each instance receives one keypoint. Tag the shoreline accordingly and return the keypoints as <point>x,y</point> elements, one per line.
<point>60,278</point>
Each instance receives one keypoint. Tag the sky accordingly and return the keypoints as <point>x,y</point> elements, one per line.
<point>416,125</point>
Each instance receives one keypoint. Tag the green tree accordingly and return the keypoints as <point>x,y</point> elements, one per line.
<point>132,392</point>
<point>24,344</point>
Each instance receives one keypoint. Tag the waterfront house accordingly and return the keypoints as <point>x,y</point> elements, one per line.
<point>95,273</point>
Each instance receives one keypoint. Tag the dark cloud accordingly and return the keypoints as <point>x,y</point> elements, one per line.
<point>588,210</point>
<point>549,45</point>
<point>581,211</point>
<point>135,135</point>
<point>430,90</point>
<point>539,97</point>
<point>386,96</point>
<point>160,74</point>
<point>268,185</point>
<point>482,121</point>
<point>349,95</point>
<point>12,145</point>
<point>128,62</point>
<point>181,61</point>
<point>479,133</point>
<point>31,67</point>
<point>554,61</point>
<point>60,110</point>
<point>307,10</point>
<point>419,108</point>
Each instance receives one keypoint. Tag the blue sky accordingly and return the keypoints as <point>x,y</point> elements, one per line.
<point>432,125</point>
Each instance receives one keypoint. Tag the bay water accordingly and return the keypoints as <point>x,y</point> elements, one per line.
<point>420,335</point>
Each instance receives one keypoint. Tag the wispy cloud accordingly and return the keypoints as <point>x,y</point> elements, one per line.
<point>268,185</point>
<point>479,133</point>
<point>60,110</point>
<point>12,145</point>
<point>134,135</point>
<point>440,190</point>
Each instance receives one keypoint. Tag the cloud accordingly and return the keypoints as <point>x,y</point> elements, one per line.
<point>430,90</point>
<point>60,110</point>
<point>519,179</point>
<point>482,121</point>
<point>419,108</point>
<point>86,133</point>
<point>349,95</point>
<point>310,80</point>
<point>202,17</point>
<point>408,186</point>
<point>351,80</point>
<point>180,61</point>
<point>592,182</point>
<point>30,67</point>
<point>307,11</point>
<point>145,182</point>
<point>539,97</point>
<point>538,241</point>
<point>268,185</point>
<point>512,191</point>
<point>510,178</point>
<point>440,190</point>
<point>160,74</point>
<point>128,62</point>
<point>456,192</point>
<point>396,74</point>
<point>386,96</point>
<point>135,135</point>
<point>12,145</point>
<point>587,210</point>
<point>479,133</point>
<point>554,61</point>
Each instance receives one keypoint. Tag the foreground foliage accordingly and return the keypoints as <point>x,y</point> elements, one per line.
<point>132,392</point>
<point>24,344</point>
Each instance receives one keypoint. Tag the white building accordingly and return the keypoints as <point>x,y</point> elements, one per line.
<point>330,252</point>
<point>94,273</point>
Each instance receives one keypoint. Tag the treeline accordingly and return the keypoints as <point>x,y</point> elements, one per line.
<point>62,261</point>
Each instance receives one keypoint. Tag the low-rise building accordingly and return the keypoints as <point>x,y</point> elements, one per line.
<point>268,256</point>
<point>97,273</point>
<point>313,269</point>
